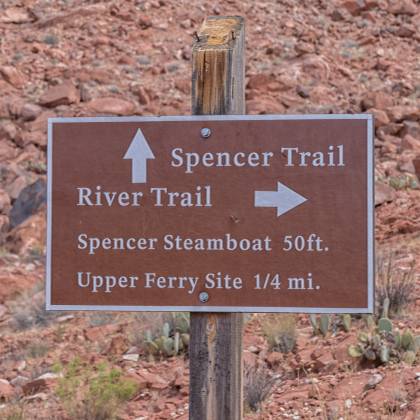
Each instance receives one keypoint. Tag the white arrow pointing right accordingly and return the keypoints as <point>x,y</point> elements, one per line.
<point>284,199</point>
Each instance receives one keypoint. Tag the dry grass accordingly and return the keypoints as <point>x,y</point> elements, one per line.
<point>14,411</point>
<point>29,310</point>
<point>280,332</point>
<point>258,384</point>
<point>393,282</point>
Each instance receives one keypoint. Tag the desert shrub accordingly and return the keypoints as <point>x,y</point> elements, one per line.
<point>13,411</point>
<point>28,310</point>
<point>394,283</point>
<point>93,392</point>
<point>51,39</point>
<point>97,319</point>
<point>37,349</point>
<point>144,321</point>
<point>178,321</point>
<point>258,384</point>
<point>280,332</point>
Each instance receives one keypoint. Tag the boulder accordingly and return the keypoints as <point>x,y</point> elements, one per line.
<point>41,121</point>
<point>3,311</point>
<point>411,128</point>
<point>355,7</point>
<point>29,235</point>
<point>13,76</point>
<point>28,202</point>
<point>146,379</point>
<point>4,202</point>
<point>416,164</point>
<point>380,117</point>
<point>402,112</point>
<point>64,94</point>
<point>383,193</point>
<point>43,382</point>
<point>378,100</point>
<point>264,106</point>
<point>30,112</point>
<point>410,143</point>
<point>38,138</point>
<point>142,95</point>
<point>16,15</point>
<point>110,105</point>
<point>6,390</point>
<point>402,7</point>
<point>8,150</point>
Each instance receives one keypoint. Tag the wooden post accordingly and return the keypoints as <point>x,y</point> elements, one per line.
<point>216,338</point>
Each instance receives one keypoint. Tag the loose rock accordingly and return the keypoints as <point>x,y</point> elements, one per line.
<point>109,105</point>
<point>64,94</point>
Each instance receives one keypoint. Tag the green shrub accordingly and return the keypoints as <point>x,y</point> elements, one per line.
<point>93,393</point>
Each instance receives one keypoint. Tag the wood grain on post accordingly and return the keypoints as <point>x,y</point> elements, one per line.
<point>216,338</point>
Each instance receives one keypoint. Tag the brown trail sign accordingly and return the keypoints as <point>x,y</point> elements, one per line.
<point>211,214</point>
<point>246,213</point>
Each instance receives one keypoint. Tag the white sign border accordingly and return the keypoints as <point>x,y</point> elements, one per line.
<point>203,308</point>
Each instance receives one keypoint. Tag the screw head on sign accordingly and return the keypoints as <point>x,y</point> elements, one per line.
<point>204,297</point>
<point>205,133</point>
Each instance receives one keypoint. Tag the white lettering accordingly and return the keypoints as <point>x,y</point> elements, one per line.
<point>191,160</point>
<point>334,156</point>
<point>107,198</point>
<point>170,282</point>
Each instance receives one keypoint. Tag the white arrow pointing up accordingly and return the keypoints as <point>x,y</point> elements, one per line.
<point>284,199</point>
<point>139,151</point>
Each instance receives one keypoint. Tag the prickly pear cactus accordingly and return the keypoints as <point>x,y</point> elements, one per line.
<point>171,341</point>
<point>166,329</point>
<point>355,351</point>
<point>314,322</point>
<point>385,308</point>
<point>384,354</point>
<point>182,322</point>
<point>385,325</point>
<point>384,345</point>
<point>407,341</point>
<point>177,343</point>
<point>324,324</point>
<point>185,339</point>
<point>370,322</point>
<point>346,321</point>
<point>409,357</point>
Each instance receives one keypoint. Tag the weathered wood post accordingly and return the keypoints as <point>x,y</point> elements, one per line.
<point>216,338</point>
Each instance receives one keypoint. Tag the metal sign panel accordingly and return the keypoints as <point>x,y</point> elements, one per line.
<point>218,213</point>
